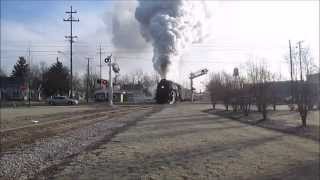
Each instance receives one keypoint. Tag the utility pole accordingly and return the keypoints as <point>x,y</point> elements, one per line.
<point>88,76</point>
<point>291,72</point>
<point>29,76</point>
<point>71,39</point>
<point>191,87</point>
<point>300,60</point>
<point>100,65</point>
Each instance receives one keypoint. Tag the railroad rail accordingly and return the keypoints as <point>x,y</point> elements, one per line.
<point>12,137</point>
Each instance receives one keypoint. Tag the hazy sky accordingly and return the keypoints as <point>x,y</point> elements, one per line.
<point>240,29</point>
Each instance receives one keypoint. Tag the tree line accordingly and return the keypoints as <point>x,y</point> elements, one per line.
<point>49,81</point>
<point>255,90</point>
<point>55,79</point>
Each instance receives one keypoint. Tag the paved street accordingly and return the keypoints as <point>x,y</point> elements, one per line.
<point>183,142</point>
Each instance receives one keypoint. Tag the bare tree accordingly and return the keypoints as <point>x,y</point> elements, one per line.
<point>220,88</point>
<point>124,79</point>
<point>36,80</point>
<point>274,99</point>
<point>137,76</point>
<point>304,98</point>
<point>215,88</point>
<point>305,95</point>
<point>147,81</point>
<point>259,76</point>
<point>227,89</point>
<point>242,94</point>
<point>91,81</point>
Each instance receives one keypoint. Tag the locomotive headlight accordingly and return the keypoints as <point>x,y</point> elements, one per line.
<point>162,87</point>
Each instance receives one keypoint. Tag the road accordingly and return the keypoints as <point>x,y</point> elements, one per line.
<point>184,142</point>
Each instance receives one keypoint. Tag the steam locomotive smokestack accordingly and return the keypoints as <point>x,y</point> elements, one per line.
<point>171,26</point>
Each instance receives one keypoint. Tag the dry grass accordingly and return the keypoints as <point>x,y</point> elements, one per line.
<point>182,142</point>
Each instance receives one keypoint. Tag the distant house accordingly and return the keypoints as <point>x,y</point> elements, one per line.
<point>13,89</point>
<point>314,78</point>
<point>102,95</point>
<point>281,90</point>
<point>132,93</point>
<point>135,92</point>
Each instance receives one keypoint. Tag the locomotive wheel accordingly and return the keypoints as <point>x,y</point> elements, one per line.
<point>172,97</point>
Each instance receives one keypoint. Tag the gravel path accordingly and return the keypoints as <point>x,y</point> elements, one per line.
<point>27,160</point>
<point>182,142</point>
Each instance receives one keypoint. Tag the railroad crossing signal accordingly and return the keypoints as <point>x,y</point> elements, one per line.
<point>102,81</point>
<point>108,59</point>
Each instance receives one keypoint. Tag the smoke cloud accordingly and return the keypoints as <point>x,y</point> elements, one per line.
<point>171,27</point>
<point>125,28</point>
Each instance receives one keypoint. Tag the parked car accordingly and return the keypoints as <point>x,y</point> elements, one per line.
<point>62,100</point>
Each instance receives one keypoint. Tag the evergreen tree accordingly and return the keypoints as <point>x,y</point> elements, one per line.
<point>20,69</point>
<point>56,80</point>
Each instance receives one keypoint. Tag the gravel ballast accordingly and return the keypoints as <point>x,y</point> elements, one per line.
<point>25,161</point>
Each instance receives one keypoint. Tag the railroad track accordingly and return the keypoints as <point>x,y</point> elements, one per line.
<point>23,121</point>
<point>13,137</point>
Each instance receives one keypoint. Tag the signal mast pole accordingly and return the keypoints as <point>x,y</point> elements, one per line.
<point>108,60</point>
<point>71,37</point>
<point>193,76</point>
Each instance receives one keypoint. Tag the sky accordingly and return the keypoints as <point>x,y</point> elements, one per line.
<point>240,30</point>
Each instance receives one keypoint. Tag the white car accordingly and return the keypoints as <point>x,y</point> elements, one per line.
<point>62,100</point>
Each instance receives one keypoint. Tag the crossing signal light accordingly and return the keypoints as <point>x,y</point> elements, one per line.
<point>102,81</point>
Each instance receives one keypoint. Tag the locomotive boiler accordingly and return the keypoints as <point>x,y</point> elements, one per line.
<point>169,92</point>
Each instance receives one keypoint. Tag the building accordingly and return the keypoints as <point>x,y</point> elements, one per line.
<point>282,91</point>
<point>314,78</point>
<point>13,89</point>
<point>136,93</point>
<point>132,93</point>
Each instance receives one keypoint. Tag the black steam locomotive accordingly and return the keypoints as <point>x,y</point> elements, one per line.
<point>171,92</point>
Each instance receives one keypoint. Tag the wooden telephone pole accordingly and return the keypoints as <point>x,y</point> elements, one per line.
<point>291,72</point>
<point>100,65</point>
<point>71,39</point>
<point>88,77</point>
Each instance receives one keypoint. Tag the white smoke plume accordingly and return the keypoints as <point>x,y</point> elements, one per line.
<point>125,28</point>
<point>172,26</point>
